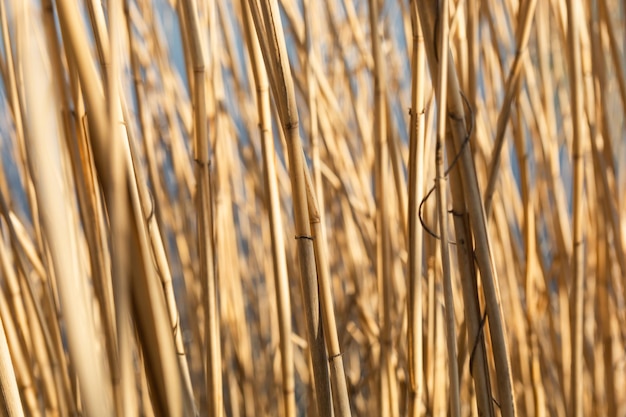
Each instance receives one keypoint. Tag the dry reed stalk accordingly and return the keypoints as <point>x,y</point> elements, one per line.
<point>275,54</point>
<point>23,375</point>
<point>110,48</point>
<point>337,372</point>
<point>442,208</point>
<point>320,239</point>
<point>281,284</point>
<point>12,406</point>
<point>575,16</point>
<point>415,232</point>
<point>205,213</point>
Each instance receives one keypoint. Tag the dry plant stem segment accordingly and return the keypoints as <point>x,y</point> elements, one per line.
<point>273,203</point>
<point>337,371</point>
<point>416,235</point>
<point>574,17</point>
<point>472,195</point>
<point>442,210</point>
<point>276,60</point>
<point>204,214</point>
<point>10,396</point>
<point>316,218</point>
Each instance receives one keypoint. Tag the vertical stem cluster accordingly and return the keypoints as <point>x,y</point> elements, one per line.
<point>204,213</point>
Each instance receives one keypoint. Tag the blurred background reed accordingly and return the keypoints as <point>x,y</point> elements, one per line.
<point>248,208</point>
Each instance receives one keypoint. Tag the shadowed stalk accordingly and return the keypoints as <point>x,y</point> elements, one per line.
<point>442,208</point>
<point>118,211</point>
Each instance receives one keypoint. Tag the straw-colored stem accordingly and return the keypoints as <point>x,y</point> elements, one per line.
<point>204,214</point>
<point>278,246</point>
<point>11,404</point>
<point>574,15</point>
<point>337,372</point>
<point>442,208</point>
<point>415,232</point>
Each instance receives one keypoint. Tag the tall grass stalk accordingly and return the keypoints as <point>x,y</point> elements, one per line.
<point>281,282</point>
<point>416,236</point>
<point>442,206</point>
<point>574,17</point>
<point>275,54</point>
<point>204,210</point>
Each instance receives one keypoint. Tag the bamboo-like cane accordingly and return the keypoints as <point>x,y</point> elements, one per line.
<point>442,209</point>
<point>278,246</point>
<point>317,221</point>
<point>574,17</point>
<point>337,372</point>
<point>416,239</point>
<point>204,214</point>
<point>275,54</point>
